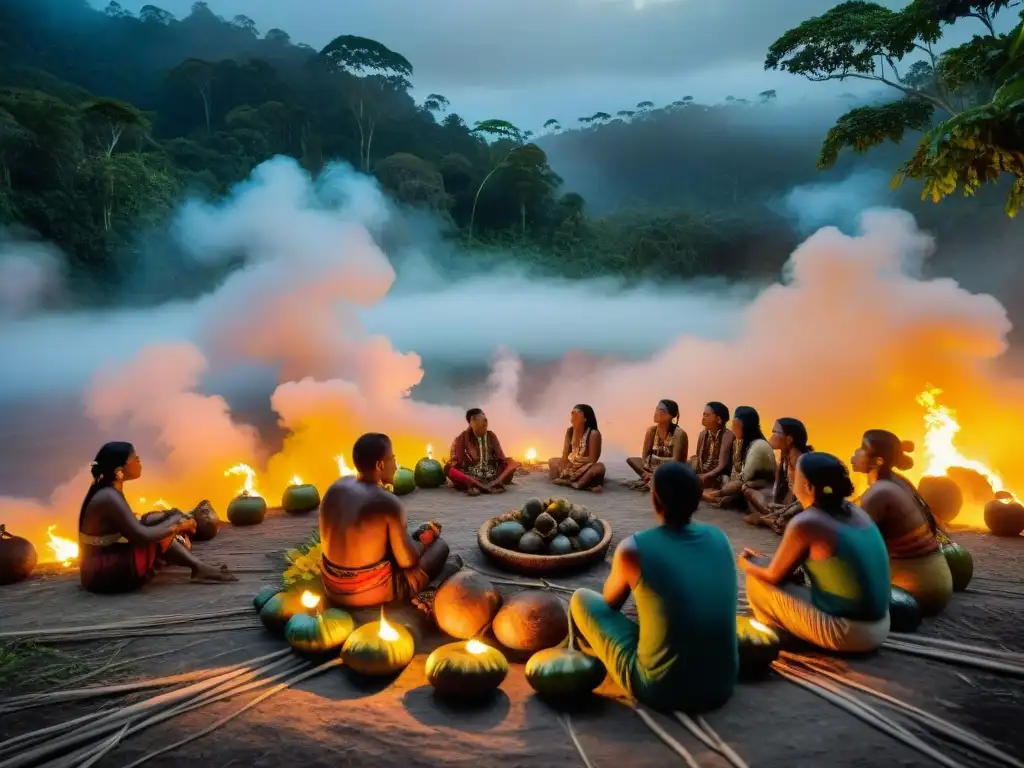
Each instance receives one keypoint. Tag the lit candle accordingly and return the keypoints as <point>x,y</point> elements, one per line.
<point>310,601</point>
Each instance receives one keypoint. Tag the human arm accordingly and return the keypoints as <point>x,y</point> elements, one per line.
<point>876,502</point>
<point>566,445</point>
<point>648,443</point>
<point>792,552</point>
<point>455,454</point>
<point>681,446</point>
<point>129,526</point>
<point>593,454</point>
<point>404,549</point>
<point>724,455</point>
<point>496,450</point>
<point>759,463</point>
<point>625,572</point>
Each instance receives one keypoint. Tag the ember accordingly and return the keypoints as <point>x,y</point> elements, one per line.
<point>65,551</point>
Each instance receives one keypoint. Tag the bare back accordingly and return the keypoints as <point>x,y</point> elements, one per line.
<point>361,525</point>
<point>893,509</point>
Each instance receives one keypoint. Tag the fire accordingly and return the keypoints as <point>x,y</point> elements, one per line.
<point>249,487</point>
<point>343,469</point>
<point>386,631</point>
<point>159,505</point>
<point>430,451</point>
<point>310,600</point>
<point>296,480</point>
<point>941,428</point>
<point>476,647</point>
<point>531,455</point>
<point>64,550</point>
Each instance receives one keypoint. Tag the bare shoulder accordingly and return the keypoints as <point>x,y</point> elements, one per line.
<point>107,497</point>
<point>881,492</point>
<point>627,550</point>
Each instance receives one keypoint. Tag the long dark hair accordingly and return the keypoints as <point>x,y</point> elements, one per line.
<point>830,480</point>
<point>673,410</point>
<point>751,422</point>
<point>795,430</point>
<point>719,410</point>
<point>888,447</point>
<point>589,417</point>
<point>109,458</point>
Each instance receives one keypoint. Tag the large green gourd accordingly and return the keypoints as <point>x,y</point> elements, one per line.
<point>279,609</point>
<point>429,473</point>
<point>370,650</point>
<point>321,634</point>
<point>758,647</point>
<point>247,510</point>
<point>959,560</point>
<point>904,612</point>
<point>263,596</point>
<point>466,670</point>
<point>299,499</point>
<point>563,675</point>
<point>404,483</point>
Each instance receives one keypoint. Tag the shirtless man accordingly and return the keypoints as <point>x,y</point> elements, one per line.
<point>369,558</point>
<point>476,463</point>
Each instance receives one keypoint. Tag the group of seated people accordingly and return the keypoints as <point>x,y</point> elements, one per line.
<point>828,584</point>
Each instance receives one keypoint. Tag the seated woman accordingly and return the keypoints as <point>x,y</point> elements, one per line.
<point>776,508</point>
<point>846,606</point>
<point>476,463</point>
<point>713,459</point>
<point>120,553</point>
<point>905,520</point>
<point>753,461</point>
<point>682,655</point>
<point>663,441</point>
<point>579,466</point>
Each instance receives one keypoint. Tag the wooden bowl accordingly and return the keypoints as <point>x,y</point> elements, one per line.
<point>540,565</point>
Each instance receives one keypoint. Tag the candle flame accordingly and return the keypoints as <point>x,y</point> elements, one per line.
<point>531,455</point>
<point>386,631</point>
<point>249,486</point>
<point>430,451</point>
<point>344,470</point>
<point>310,600</point>
<point>759,626</point>
<point>296,480</point>
<point>65,551</point>
<point>476,647</point>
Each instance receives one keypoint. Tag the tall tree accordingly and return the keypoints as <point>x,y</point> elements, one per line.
<point>377,72</point>
<point>504,134</point>
<point>198,75</point>
<point>114,118</point>
<point>436,104</point>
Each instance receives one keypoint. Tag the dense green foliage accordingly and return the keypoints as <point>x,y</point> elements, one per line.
<point>975,91</point>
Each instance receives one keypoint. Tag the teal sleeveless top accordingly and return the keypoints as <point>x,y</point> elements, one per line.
<point>687,656</point>
<point>854,583</point>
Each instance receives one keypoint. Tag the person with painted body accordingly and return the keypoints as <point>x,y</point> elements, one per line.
<point>907,524</point>
<point>663,441</point>
<point>580,464</point>
<point>713,459</point>
<point>682,652</point>
<point>845,607</point>
<point>476,462</point>
<point>775,508</point>
<point>119,552</point>
<point>753,461</point>
<point>368,555</point>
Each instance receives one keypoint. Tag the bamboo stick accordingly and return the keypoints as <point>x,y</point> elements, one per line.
<point>148,621</point>
<point>934,723</point>
<point>962,659</point>
<point>666,737</point>
<point>728,752</point>
<point>567,724</point>
<point>102,725</point>
<point>862,712</point>
<point>155,631</point>
<point>105,748</point>
<point>995,592</point>
<point>978,650</point>
<point>703,733</point>
<point>261,698</point>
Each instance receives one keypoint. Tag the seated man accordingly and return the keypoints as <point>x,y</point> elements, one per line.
<point>683,654</point>
<point>369,557</point>
<point>476,462</point>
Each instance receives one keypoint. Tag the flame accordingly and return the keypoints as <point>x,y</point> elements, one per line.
<point>296,480</point>
<point>476,647</point>
<point>249,487</point>
<point>64,550</point>
<point>386,631</point>
<point>159,505</point>
<point>343,469</point>
<point>430,451</point>
<point>531,455</point>
<point>941,428</point>
<point>310,600</point>
<point>759,626</point>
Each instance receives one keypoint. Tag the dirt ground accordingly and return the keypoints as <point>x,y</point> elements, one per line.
<point>332,720</point>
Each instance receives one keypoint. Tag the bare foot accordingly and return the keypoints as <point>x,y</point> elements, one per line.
<point>474,491</point>
<point>497,489</point>
<point>753,519</point>
<point>210,574</point>
<point>561,481</point>
<point>596,489</point>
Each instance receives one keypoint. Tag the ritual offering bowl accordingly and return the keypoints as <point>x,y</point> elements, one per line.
<point>245,509</point>
<point>758,647</point>
<point>904,611</point>
<point>379,649</point>
<point>543,537</point>
<point>466,670</point>
<point>429,473</point>
<point>404,483</point>
<point>299,499</point>
<point>17,557</point>
<point>1004,517</point>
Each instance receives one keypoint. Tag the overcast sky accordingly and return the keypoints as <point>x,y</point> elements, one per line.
<point>529,60</point>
